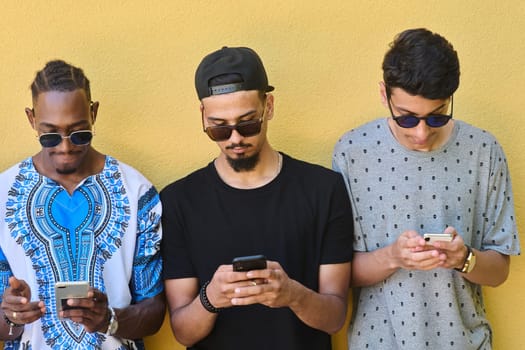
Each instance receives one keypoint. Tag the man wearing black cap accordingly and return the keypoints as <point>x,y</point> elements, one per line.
<point>253,200</point>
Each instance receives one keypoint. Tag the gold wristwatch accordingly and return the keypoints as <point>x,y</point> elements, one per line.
<point>113,323</point>
<point>470,261</point>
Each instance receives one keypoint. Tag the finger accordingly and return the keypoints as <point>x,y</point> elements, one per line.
<point>243,298</point>
<point>451,230</point>
<point>14,300</point>
<point>273,265</point>
<point>14,283</point>
<point>225,268</point>
<point>19,288</point>
<point>259,274</point>
<point>98,296</point>
<point>85,303</point>
<point>27,315</point>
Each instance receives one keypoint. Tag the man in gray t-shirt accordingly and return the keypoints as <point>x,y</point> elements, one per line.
<point>420,172</point>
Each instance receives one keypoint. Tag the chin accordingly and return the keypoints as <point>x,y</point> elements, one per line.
<point>65,171</point>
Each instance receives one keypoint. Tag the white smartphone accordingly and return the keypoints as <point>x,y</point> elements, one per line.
<point>430,238</point>
<point>69,290</point>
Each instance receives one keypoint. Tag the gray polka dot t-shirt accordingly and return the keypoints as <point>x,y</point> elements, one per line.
<point>464,184</point>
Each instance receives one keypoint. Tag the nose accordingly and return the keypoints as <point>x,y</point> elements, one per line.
<point>422,130</point>
<point>235,137</point>
<point>65,145</point>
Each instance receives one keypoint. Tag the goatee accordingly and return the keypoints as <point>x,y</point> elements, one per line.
<point>243,164</point>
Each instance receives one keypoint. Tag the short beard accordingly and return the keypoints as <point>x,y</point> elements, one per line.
<point>244,164</point>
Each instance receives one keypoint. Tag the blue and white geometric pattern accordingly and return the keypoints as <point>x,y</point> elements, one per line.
<point>71,237</point>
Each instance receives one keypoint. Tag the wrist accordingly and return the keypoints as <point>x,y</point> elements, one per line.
<point>459,267</point>
<point>388,258</point>
<point>112,322</point>
<point>203,295</point>
<point>12,325</point>
<point>469,261</point>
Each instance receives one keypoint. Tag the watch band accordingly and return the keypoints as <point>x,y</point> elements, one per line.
<point>113,325</point>
<point>205,301</point>
<point>469,262</point>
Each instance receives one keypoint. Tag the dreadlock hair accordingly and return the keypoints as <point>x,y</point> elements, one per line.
<point>58,75</point>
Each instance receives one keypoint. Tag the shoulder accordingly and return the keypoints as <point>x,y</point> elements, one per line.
<point>134,181</point>
<point>478,138</point>
<point>13,170</point>
<point>194,180</point>
<point>113,164</point>
<point>473,132</point>
<point>309,173</point>
<point>363,134</point>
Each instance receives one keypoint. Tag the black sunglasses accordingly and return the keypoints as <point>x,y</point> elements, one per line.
<point>78,138</point>
<point>224,132</point>
<point>245,128</point>
<point>432,120</point>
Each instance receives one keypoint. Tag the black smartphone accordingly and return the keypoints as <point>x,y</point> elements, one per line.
<point>247,263</point>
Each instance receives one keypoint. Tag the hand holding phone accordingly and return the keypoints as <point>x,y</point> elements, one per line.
<point>69,290</point>
<point>430,238</point>
<point>247,263</point>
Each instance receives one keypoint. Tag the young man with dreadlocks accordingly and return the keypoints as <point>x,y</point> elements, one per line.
<point>70,214</point>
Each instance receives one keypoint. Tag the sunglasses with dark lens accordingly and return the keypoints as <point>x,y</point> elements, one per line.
<point>245,128</point>
<point>78,138</point>
<point>432,120</point>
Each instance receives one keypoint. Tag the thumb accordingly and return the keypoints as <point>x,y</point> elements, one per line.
<point>15,283</point>
<point>19,287</point>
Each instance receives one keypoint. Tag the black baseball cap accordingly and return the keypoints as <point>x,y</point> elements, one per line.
<point>238,60</point>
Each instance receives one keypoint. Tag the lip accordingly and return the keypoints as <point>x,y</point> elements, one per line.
<point>420,142</point>
<point>65,157</point>
<point>239,150</point>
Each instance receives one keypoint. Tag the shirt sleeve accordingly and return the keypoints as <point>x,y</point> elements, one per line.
<point>337,247</point>
<point>500,225</point>
<point>146,278</point>
<point>5,273</point>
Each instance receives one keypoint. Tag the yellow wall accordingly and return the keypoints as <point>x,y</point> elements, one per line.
<point>323,57</point>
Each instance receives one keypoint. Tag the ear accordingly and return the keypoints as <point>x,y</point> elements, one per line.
<point>269,106</point>
<point>30,113</point>
<point>94,110</point>
<point>382,94</point>
<point>201,109</point>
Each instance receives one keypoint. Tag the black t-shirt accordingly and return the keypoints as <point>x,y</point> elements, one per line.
<point>302,219</point>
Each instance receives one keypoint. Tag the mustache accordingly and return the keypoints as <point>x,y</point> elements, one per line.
<point>237,145</point>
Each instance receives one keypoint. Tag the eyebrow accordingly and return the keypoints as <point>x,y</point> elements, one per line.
<point>212,118</point>
<point>406,111</point>
<point>53,126</point>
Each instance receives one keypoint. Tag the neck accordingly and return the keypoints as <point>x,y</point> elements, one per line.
<point>267,169</point>
<point>93,164</point>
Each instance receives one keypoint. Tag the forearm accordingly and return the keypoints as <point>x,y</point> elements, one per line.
<point>141,319</point>
<point>369,268</point>
<point>492,268</point>
<point>320,311</point>
<point>192,323</point>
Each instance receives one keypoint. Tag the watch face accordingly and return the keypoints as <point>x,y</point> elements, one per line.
<point>113,323</point>
<point>471,262</point>
<point>113,327</point>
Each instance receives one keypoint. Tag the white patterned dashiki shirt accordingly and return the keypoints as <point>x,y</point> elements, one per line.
<point>106,232</point>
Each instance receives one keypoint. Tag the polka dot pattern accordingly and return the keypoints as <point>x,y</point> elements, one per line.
<point>464,184</point>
